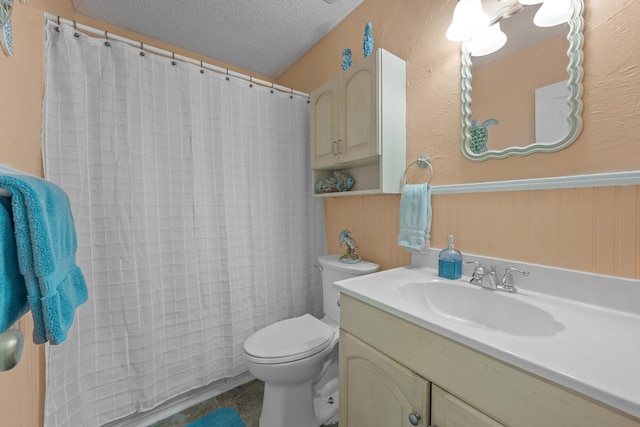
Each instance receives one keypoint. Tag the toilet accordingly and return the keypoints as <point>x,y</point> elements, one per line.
<point>298,358</point>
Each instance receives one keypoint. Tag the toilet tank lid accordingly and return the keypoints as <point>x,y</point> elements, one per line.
<point>360,268</point>
<point>299,336</point>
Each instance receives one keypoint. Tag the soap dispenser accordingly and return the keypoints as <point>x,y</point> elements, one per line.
<point>450,262</point>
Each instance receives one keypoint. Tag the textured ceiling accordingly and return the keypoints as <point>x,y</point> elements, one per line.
<point>262,36</point>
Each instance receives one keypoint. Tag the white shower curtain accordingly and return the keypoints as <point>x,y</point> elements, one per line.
<point>196,226</point>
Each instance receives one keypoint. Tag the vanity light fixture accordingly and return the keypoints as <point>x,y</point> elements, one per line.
<point>553,12</point>
<point>468,19</point>
<point>487,41</point>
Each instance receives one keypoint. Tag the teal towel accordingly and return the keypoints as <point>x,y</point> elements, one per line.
<point>223,417</point>
<point>13,293</point>
<point>46,247</point>
<point>415,217</point>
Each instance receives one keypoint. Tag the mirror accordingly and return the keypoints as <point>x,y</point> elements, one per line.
<point>527,96</point>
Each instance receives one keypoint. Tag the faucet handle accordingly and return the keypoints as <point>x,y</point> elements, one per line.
<point>479,269</point>
<point>510,269</point>
<point>508,282</point>
<point>478,273</point>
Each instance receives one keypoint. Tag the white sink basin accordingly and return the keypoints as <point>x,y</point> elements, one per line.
<point>576,329</point>
<point>478,307</point>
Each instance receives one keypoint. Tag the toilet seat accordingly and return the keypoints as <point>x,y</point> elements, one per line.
<point>289,340</point>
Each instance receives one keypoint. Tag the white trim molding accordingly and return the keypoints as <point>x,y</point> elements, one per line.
<point>609,179</point>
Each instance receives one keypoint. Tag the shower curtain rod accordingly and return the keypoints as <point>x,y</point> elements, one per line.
<point>145,47</point>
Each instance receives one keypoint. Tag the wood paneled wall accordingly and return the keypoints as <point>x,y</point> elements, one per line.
<point>588,229</point>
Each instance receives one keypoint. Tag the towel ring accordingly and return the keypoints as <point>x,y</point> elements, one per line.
<point>422,162</point>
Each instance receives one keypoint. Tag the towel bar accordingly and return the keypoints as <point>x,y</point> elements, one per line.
<point>422,162</point>
<point>11,171</point>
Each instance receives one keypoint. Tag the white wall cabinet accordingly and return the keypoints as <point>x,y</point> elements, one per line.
<point>358,125</point>
<point>386,363</point>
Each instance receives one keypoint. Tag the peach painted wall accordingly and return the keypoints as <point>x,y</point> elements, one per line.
<point>535,226</point>
<point>22,388</point>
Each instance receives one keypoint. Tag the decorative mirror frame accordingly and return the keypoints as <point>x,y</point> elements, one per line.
<point>575,71</point>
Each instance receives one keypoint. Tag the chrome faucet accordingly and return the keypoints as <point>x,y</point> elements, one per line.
<point>507,283</point>
<point>492,275</point>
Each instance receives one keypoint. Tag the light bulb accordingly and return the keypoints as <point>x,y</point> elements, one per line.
<point>487,41</point>
<point>553,12</point>
<point>468,19</point>
<point>529,2</point>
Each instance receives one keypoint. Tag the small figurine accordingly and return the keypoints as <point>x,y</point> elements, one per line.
<point>351,255</point>
<point>367,44</point>
<point>346,59</point>
<point>340,181</point>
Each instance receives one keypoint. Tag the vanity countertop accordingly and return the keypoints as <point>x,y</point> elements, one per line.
<point>595,351</point>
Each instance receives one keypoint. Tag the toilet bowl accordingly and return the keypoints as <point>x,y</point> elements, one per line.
<point>297,358</point>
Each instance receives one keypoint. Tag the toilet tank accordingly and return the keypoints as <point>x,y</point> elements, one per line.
<point>332,271</point>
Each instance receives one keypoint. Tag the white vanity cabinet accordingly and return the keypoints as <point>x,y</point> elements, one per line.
<point>358,124</point>
<point>375,391</point>
<point>385,359</point>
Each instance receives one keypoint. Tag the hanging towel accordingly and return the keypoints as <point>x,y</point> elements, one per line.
<point>415,217</point>
<point>46,247</point>
<point>13,293</point>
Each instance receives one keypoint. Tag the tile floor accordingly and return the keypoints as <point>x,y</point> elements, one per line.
<point>246,399</point>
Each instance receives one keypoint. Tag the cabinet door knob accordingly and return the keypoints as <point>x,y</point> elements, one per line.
<point>414,418</point>
<point>334,148</point>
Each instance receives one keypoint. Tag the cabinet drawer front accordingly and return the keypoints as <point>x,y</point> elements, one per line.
<point>449,411</point>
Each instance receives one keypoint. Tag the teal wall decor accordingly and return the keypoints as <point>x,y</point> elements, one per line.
<point>346,59</point>
<point>367,44</point>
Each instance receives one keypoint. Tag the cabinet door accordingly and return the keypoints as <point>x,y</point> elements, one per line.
<point>324,124</point>
<point>358,125</point>
<point>375,391</point>
<point>449,411</point>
